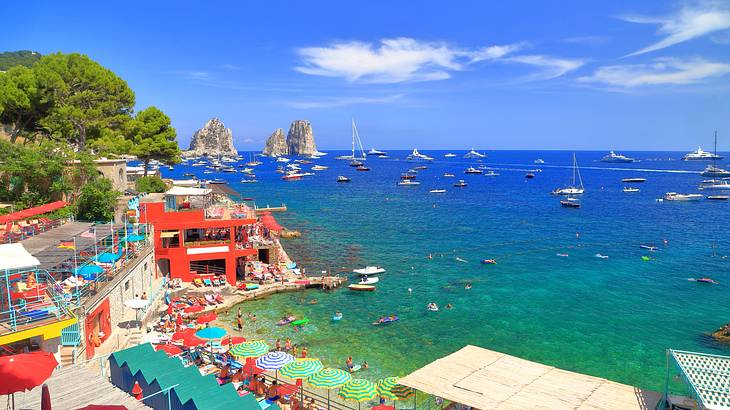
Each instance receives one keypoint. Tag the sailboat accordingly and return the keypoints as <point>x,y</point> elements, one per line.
<point>713,170</point>
<point>352,157</point>
<point>573,189</point>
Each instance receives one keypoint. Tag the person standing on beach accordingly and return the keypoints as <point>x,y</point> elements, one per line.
<point>287,345</point>
<point>304,352</point>
<point>239,323</point>
<point>278,345</point>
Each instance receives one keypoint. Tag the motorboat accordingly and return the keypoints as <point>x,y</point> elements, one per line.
<point>529,175</point>
<point>715,184</point>
<point>217,181</point>
<point>707,280</point>
<point>633,180</point>
<point>614,157</point>
<point>362,168</point>
<point>343,179</point>
<point>361,288</point>
<point>472,170</point>
<point>282,159</point>
<point>491,174</point>
<point>249,181</point>
<point>367,280</point>
<point>449,155</point>
<point>648,247</point>
<point>419,168</point>
<point>369,270</point>
<point>356,163</point>
<point>460,184</point>
<point>674,196</point>
<point>417,156</point>
<point>474,154</point>
<point>407,175</point>
<point>303,161</point>
<point>437,191</point>
<point>319,168</point>
<point>701,155</point>
<point>573,189</point>
<point>715,172</point>
<point>718,197</point>
<point>408,182</point>
<point>293,176</point>
<point>630,189</point>
<point>448,175</point>
<point>570,203</point>
<point>377,153</point>
<point>488,262</point>
<point>539,161</point>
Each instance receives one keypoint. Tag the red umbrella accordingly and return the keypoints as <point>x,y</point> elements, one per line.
<point>171,350</point>
<point>206,317</point>
<point>234,340</point>
<point>382,407</point>
<point>169,309</point>
<point>179,320</point>
<point>25,371</point>
<point>193,309</point>
<point>104,407</point>
<point>251,368</point>
<point>188,338</point>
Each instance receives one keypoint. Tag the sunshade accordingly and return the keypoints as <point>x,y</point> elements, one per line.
<point>211,333</point>
<point>254,348</point>
<point>329,378</point>
<point>187,338</point>
<point>108,257</point>
<point>206,317</point>
<point>104,407</point>
<point>89,272</point>
<point>232,340</point>
<point>358,390</point>
<point>25,371</point>
<point>171,350</point>
<point>193,309</point>
<point>385,387</point>
<point>135,237</point>
<point>382,407</point>
<point>403,392</point>
<point>136,303</point>
<point>301,368</point>
<point>274,360</point>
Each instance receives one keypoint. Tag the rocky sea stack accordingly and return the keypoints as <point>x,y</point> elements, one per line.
<point>299,140</point>
<point>213,139</point>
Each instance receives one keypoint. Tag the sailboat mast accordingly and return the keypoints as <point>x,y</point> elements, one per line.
<point>574,167</point>
<point>353,138</point>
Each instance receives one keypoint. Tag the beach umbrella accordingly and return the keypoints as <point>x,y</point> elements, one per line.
<point>301,368</point>
<point>88,272</point>
<point>187,338</point>
<point>274,361</point>
<point>385,388</point>
<point>232,340</point>
<point>211,333</point>
<point>206,317</point>
<point>135,237</point>
<point>193,309</point>
<point>382,407</point>
<point>253,348</point>
<point>358,390</point>
<point>403,392</point>
<point>251,368</point>
<point>171,350</point>
<point>22,372</point>
<point>108,257</point>
<point>329,379</point>
<point>104,407</point>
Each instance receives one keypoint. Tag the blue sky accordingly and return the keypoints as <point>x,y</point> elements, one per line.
<point>627,75</point>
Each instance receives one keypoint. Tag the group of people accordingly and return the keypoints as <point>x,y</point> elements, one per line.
<point>291,349</point>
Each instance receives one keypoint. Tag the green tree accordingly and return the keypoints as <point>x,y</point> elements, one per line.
<point>154,138</point>
<point>23,102</point>
<point>10,59</point>
<point>150,184</point>
<point>34,175</point>
<point>97,201</point>
<point>87,98</point>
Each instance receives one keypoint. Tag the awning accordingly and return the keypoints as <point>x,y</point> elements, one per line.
<point>38,210</point>
<point>15,256</point>
<point>270,223</point>
<point>186,182</point>
<point>188,191</point>
<point>169,234</point>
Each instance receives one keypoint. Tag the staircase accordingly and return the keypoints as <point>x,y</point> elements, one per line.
<point>135,337</point>
<point>67,356</point>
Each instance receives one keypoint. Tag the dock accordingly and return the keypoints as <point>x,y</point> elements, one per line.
<point>268,208</point>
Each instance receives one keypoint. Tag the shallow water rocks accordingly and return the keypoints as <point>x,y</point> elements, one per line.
<point>213,139</point>
<point>298,141</point>
<point>276,144</point>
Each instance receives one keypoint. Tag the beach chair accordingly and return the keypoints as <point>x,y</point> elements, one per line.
<point>210,299</point>
<point>207,282</point>
<point>216,281</point>
<point>197,282</point>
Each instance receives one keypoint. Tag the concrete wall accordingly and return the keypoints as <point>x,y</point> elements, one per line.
<point>115,170</point>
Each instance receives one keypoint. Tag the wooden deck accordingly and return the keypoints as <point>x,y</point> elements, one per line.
<point>75,387</point>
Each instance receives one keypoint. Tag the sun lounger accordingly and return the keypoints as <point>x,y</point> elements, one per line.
<point>210,299</point>
<point>207,282</point>
<point>197,282</point>
<point>216,282</point>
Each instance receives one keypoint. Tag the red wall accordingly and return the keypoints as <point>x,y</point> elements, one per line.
<point>102,312</point>
<point>155,214</point>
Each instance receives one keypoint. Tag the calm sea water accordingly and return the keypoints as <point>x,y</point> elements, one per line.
<point>612,317</point>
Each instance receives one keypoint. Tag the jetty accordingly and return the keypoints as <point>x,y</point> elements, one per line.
<point>268,208</point>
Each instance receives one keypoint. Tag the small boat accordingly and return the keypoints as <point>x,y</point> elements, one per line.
<point>460,184</point>
<point>715,172</point>
<point>633,180</point>
<point>293,176</point>
<point>529,175</point>
<point>356,163</point>
<point>280,170</point>
<point>601,256</point>
<point>539,161</point>
<point>286,321</point>
<point>718,197</point>
<point>573,189</point>
<point>207,172</point>
<point>407,175</point>
<point>570,203</point>
<point>673,196</point>
<point>319,168</point>
<point>649,247</point>
<point>377,153</point>
<point>343,179</point>
<point>361,288</point>
<point>386,320</point>
<point>449,155</point>
<point>629,189</point>
<point>437,191</point>
<point>362,168</point>
<point>249,181</point>
<point>282,159</point>
<point>300,322</point>
<point>488,262</point>
<point>217,181</point>
<point>432,307</point>
<point>369,270</point>
<point>448,175</point>
<point>474,154</point>
<point>645,258</point>
<point>458,259</point>
<point>472,170</point>
<point>614,157</point>
<point>562,255</point>
<point>491,174</point>
<point>366,280</point>
<point>420,167</point>
<point>188,174</point>
<point>715,184</point>
<point>409,182</point>
<point>707,280</point>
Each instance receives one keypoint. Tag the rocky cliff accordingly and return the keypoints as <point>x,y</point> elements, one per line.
<point>213,139</point>
<point>276,144</point>
<point>300,139</point>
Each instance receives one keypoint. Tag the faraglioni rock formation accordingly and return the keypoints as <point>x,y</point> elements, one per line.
<point>213,139</point>
<point>299,140</point>
<point>276,144</point>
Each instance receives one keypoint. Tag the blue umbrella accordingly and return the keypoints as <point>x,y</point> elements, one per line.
<point>108,257</point>
<point>88,272</point>
<point>135,237</point>
<point>211,333</point>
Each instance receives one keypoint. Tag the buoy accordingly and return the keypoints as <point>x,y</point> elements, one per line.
<point>137,391</point>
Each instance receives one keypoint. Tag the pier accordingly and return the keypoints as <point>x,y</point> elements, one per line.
<point>268,208</point>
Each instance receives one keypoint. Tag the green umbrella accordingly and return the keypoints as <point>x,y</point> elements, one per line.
<point>254,348</point>
<point>385,388</point>
<point>403,392</point>
<point>301,368</point>
<point>358,390</point>
<point>329,379</point>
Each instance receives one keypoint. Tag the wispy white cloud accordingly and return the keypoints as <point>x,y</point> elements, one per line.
<point>231,67</point>
<point>343,101</point>
<point>689,22</point>
<point>550,67</point>
<point>661,72</point>
<point>394,60</point>
<point>195,74</point>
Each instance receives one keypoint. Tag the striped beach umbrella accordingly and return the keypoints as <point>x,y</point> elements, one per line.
<point>329,378</point>
<point>301,368</point>
<point>385,387</point>
<point>403,392</point>
<point>358,390</point>
<point>274,360</point>
<point>254,348</point>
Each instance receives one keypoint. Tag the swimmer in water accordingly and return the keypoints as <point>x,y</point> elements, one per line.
<point>410,290</point>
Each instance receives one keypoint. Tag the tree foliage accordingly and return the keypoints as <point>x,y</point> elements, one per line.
<point>154,138</point>
<point>25,58</point>
<point>97,201</point>
<point>150,184</point>
<point>23,102</point>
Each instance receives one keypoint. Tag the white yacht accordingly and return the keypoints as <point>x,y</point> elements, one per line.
<point>539,161</point>
<point>614,157</point>
<point>437,191</point>
<point>369,270</point>
<point>474,154</point>
<point>319,168</point>
<point>450,155</point>
<point>573,189</point>
<point>377,153</point>
<point>417,156</point>
<point>408,182</point>
<point>701,155</point>
<point>491,173</point>
<point>355,139</point>
<point>715,184</point>
<point>472,170</point>
<point>715,172</point>
<point>630,189</point>
<point>282,159</point>
<point>673,196</point>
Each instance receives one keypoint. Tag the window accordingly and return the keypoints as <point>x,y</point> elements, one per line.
<point>170,238</point>
<point>126,285</point>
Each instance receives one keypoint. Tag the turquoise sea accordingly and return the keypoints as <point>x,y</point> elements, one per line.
<point>611,318</point>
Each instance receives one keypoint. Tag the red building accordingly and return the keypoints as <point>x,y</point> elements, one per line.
<point>188,245</point>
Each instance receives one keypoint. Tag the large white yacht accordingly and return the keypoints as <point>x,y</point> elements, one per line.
<point>614,157</point>
<point>701,155</point>
<point>474,154</point>
<point>417,156</point>
<point>375,152</point>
